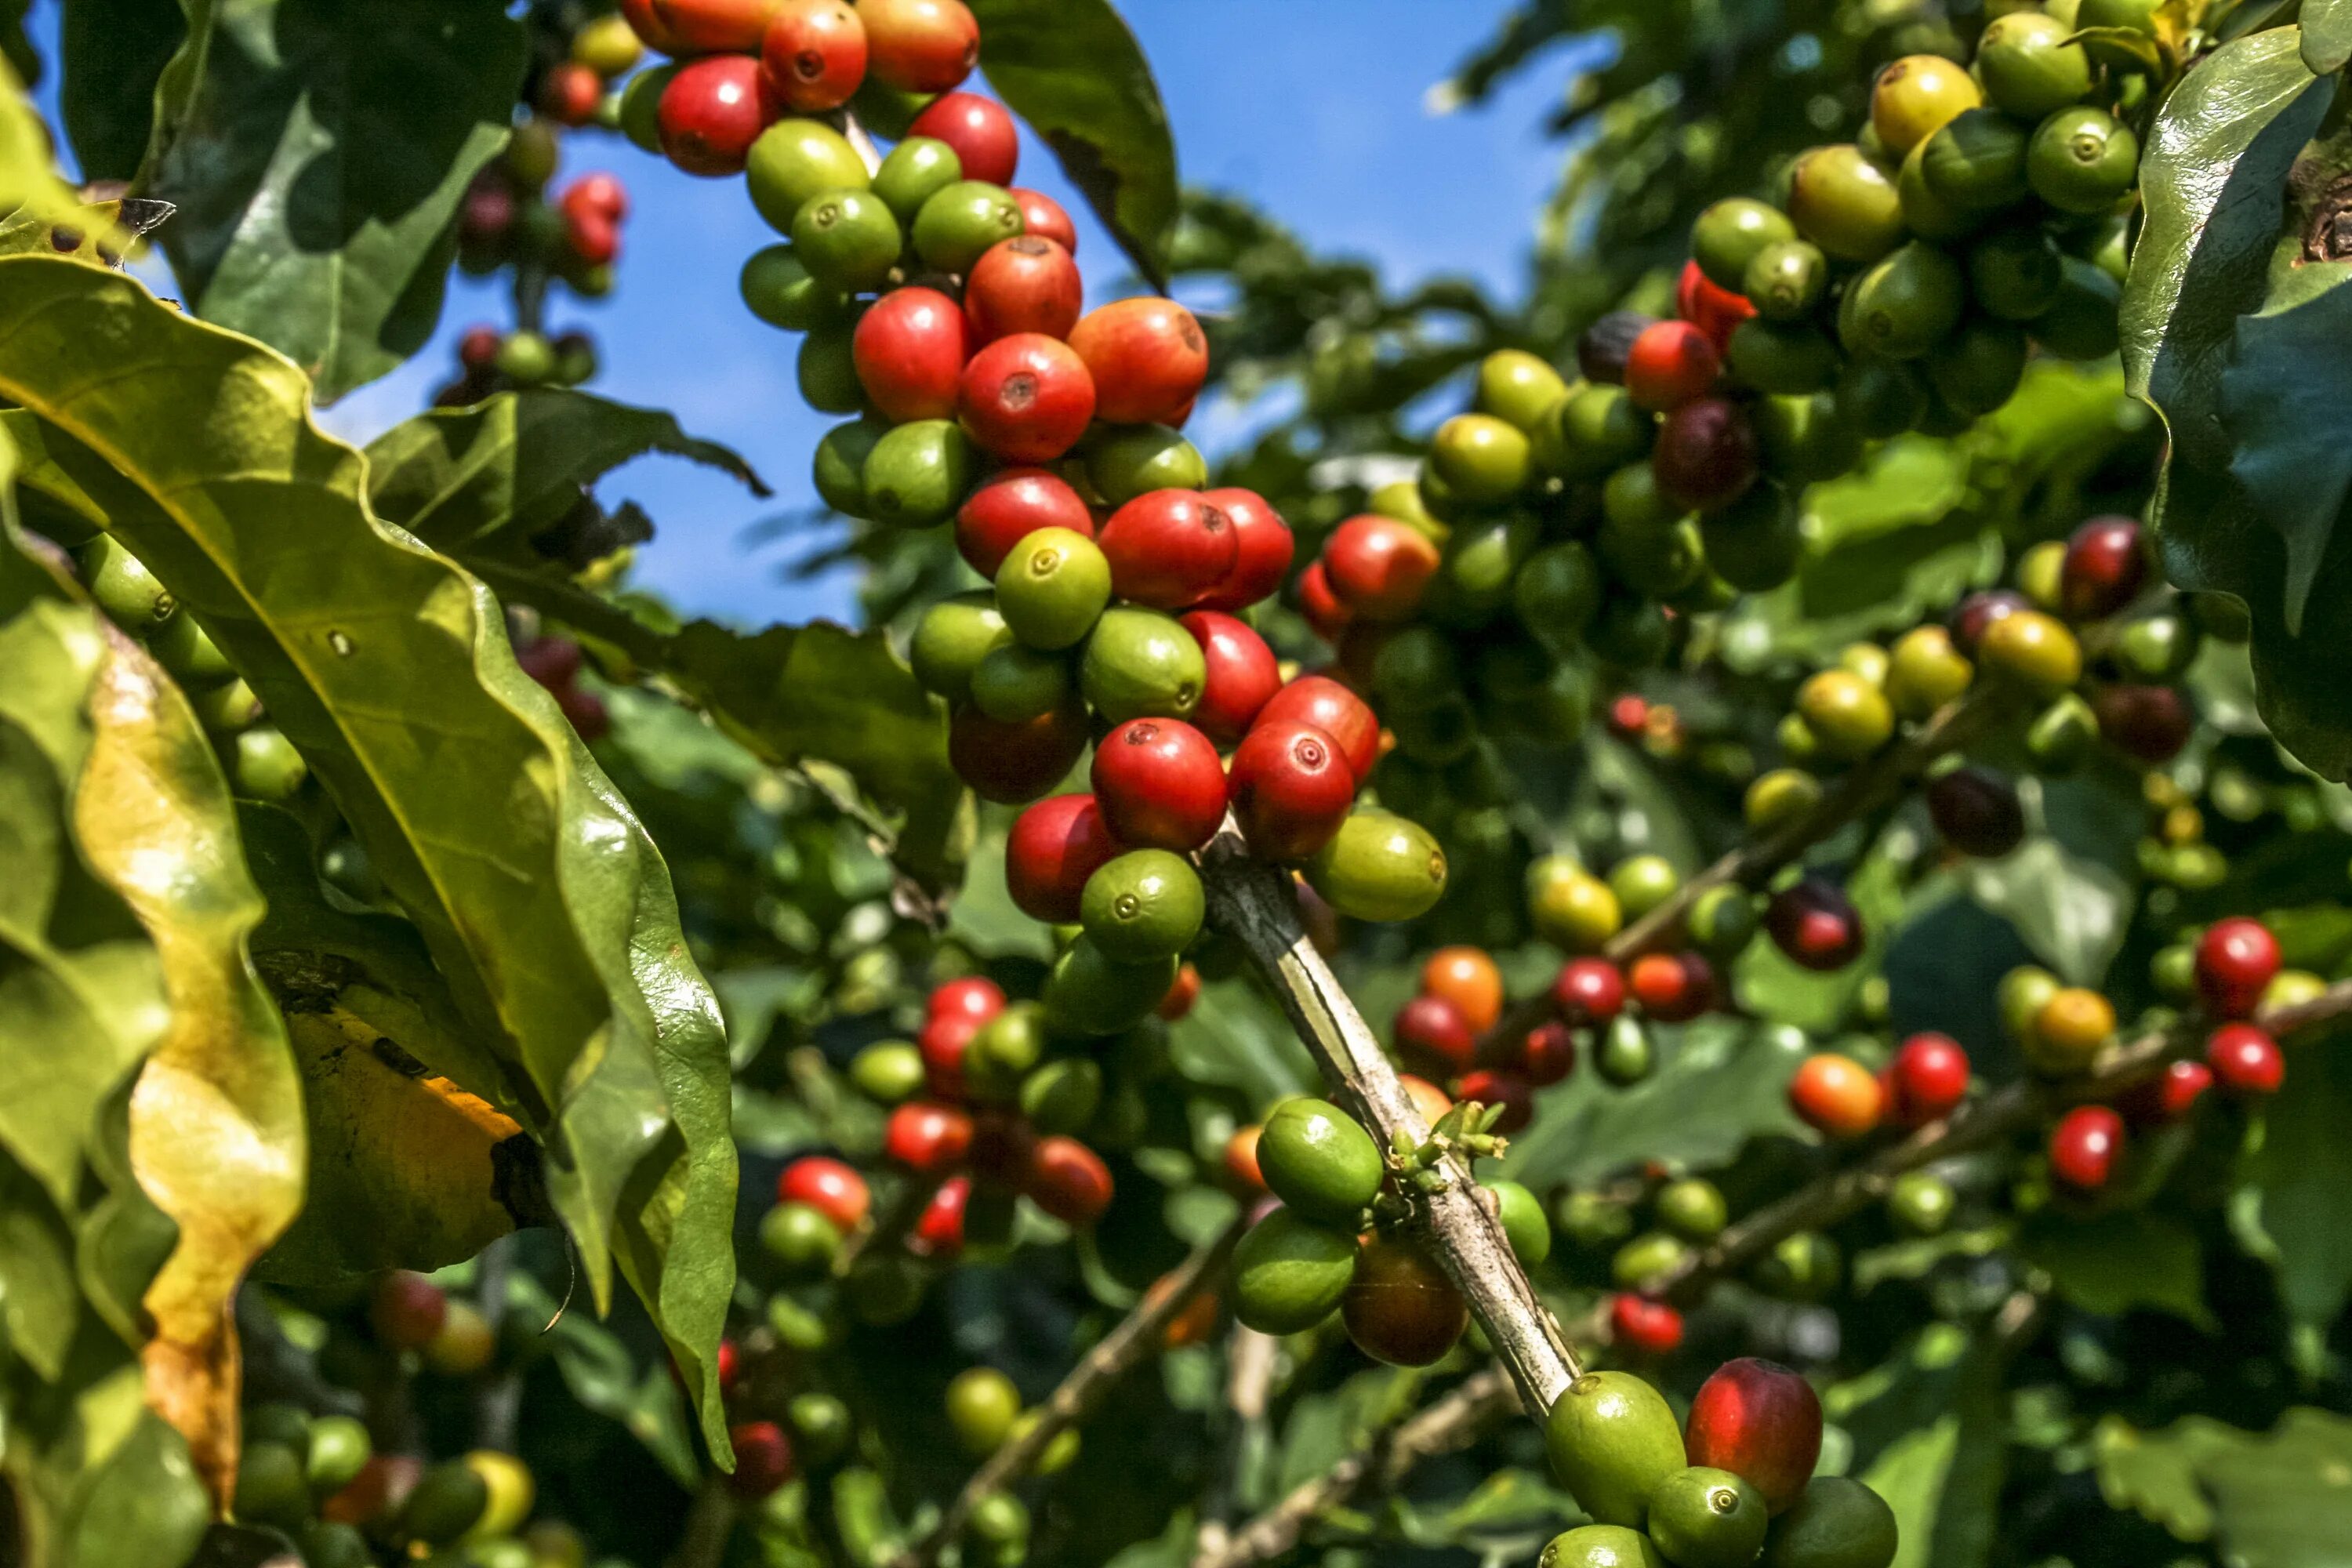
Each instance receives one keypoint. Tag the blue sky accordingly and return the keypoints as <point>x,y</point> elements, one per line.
<point>1312,108</point>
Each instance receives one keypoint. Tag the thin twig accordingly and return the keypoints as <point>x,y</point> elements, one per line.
<point>1134,1338</point>
<point>1250,1361</point>
<point>1257,904</point>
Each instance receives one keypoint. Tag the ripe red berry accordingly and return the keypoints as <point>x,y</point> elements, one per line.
<point>974,997</point>
<point>488,211</point>
<point>1432,1035</point>
<point>1013,763</point>
<point>599,193</point>
<point>407,1310</point>
<point>923,46</point>
<point>1717,311</point>
<point>815,54</point>
<point>942,1040</point>
<point>2245,1059</point>
<point>708,26</point>
<point>1241,674</point>
<point>1026,284</point>
<point>477,348</point>
<point>1663,984</point>
<point>1706,453</point>
<point>926,1137</point>
<point>1261,555</point>
<point>569,93</point>
<point>1291,788</point>
<point>2168,1096</point>
<point>1054,846</point>
<point>1670,364</point>
<point>1167,548</point>
<point>2084,1145</point>
<point>1183,992</point>
<point>730,1364</point>
<point>2236,960</point>
<point>2151,723</point>
<point>1589,991</point>
<point>1319,700</point>
<point>1068,1181</point>
<point>1629,716</point>
<point>1326,617</point>
<point>1814,925</point>
<point>2103,569</point>
<point>1761,1422</point>
<point>764,1459</point>
<point>938,1229</point>
<point>1149,357</point>
<point>711,112</point>
<point>980,130</point>
<point>1641,1324</point>
<point>1010,506</point>
<point>1024,399</point>
<point>1547,1053</point>
<point>1241,1159</point>
<point>1401,1308</point>
<point>593,240</point>
<point>1379,567</point>
<point>1042,216</point>
<point>1493,1086</point>
<point>831,1186</point>
<point>910,351</point>
<point>1926,1080</point>
<point>1836,1096</point>
<point>1160,784</point>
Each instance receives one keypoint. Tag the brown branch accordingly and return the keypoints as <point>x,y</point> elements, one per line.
<point>1135,1337</point>
<point>1257,904</point>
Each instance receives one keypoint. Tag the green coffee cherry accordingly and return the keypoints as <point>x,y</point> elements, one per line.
<point>2081,323</point>
<point>1755,542</point>
<point>783,293</point>
<point>1600,1546</point>
<point>1138,664</point>
<point>1015,684</point>
<point>1904,305</point>
<point>1977,162</point>
<point>1626,1056</point>
<point>1802,440</point>
<point>959,223</point>
<point>955,634</point>
<point>919,473</point>
<point>1785,281</point>
<point>916,170</point>
<point>2081,160</point>
<point>1128,460</point>
<point>801,1240</point>
<point>1978,368</point>
<point>1703,1518</point>
<point>1482,458</point>
<point>848,240</point>
<point>839,467</point>
<point>131,596</point>
<point>1729,236</point>
<point>1522,1218</point>
<point>1289,1273</point>
<point>1143,905</point>
<point>1920,1203</point>
<point>1928,213</point>
<point>826,371</point>
<point>1611,1439</point>
<point>267,766</point>
<point>269,1486</point>
<point>1836,1521</point>
<point>1516,386</point>
<point>796,161</point>
<point>1063,1095</point>
<point>887,1071</point>
<point>1555,593</point>
<point>1379,867</point>
<point>1846,203</point>
<point>1692,1208</point>
<point>2015,273</point>
<point>1784,357</point>
<point>1877,398</point>
<point>2028,68</point>
<point>1600,429</point>
<point>184,649</point>
<point>1087,992</point>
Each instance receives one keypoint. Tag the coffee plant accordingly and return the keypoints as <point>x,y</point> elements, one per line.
<point>1704,918</point>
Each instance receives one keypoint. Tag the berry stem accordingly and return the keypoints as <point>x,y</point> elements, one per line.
<point>1255,903</point>
<point>1129,1341</point>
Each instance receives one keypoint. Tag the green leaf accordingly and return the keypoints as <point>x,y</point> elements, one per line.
<point>319,162</point>
<point>2298,1173</point>
<point>1075,72</point>
<point>39,1303</point>
<point>389,668</point>
<point>1236,1037</point>
<point>2279,1499</point>
<point>2154,1474</point>
<point>113,53</point>
<point>1929,1431</point>
<point>488,477</point>
<point>2326,34</point>
<point>2283,405</point>
<point>139,1506</point>
<point>2072,913</point>
<point>598,1370</point>
<point>30,185</point>
<point>2115,1263</point>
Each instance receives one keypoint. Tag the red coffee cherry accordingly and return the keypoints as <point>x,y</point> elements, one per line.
<point>1491,1086</point>
<point>406,1310</point>
<point>815,54</point>
<point>1326,617</point>
<point>2236,960</point>
<point>2103,569</point>
<point>1319,700</point>
<point>1431,1033</point>
<point>597,193</point>
<point>1670,364</point>
<point>1706,455</point>
<point>593,239</point>
<point>2084,1145</point>
<point>1010,505</point>
<point>476,350</point>
<point>1547,1053</point>
<point>910,349</point>
<point>1183,992</point>
<point>1401,1308</point>
<point>1042,216</point>
<point>1717,311</point>
<point>1638,1323</point>
<point>974,997</point>
<point>553,662</point>
<point>1167,548</point>
<point>1977,811</point>
<point>1026,284</point>
<point>711,112</point>
<point>569,93</point>
<point>1149,358</point>
<point>1241,674</point>
<point>1379,567</point>
<point>830,1186</point>
<point>1629,716</point>
<point>1976,614</point>
<point>1241,1159</point>
<point>1024,399</point>
<point>2151,723</point>
<point>927,1139</point>
<point>1068,1181</point>
<point>1663,983</point>
<point>711,26</point>
<point>942,1040</point>
<point>978,130</point>
<point>648,24</point>
<point>1291,788</point>
<point>2167,1097</point>
<point>1262,551</point>
<point>1836,1096</point>
<point>1160,784</point>
<point>922,46</point>
<point>1926,1080</point>
<point>1014,763</point>
<point>2245,1060</point>
<point>1054,846</point>
<point>1814,925</point>
<point>938,1229</point>
<point>1589,991</point>
<point>764,1459</point>
<point>1761,1422</point>
<point>1429,1100</point>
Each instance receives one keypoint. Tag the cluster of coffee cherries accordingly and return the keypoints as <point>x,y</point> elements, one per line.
<point>984,1409</point>
<point>1731,1487</point>
<point>315,1473</point>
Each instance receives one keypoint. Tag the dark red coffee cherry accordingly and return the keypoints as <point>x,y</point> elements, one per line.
<point>1434,1037</point>
<point>2236,960</point>
<point>1262,550</point>
<point>927,1138</point>
<point>1546,1054</point>
<point>974,997</point>
<point>2167,1097</point>
<point>764,1459</point>
<point>711,112</point>
<point>1926,1080</point>
<point>1978,611</point>
<point>1815,924</point>
<point>1042,216</point>
<point>1326,617</point>
<point>569,94</point>
<point>1608,343</point>
<point>1160,785</point>
<point>2151,723</point>
<point>2105,564</point>
<point>1977,811</point>
<point>1319,700</point>
<point>1054,846</point>
<point>938,1229</point>
<point>1014,763</point>
<point>1494,1086</point>
<point>1068,1181</point>
<point>1010,505</point>
<point>1589,991</point>
<point>1639,1323</point>
<point>1291,788</point>
<point>1706,455</point>
<point>1761,1422</point>
<point>1241,674</point>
